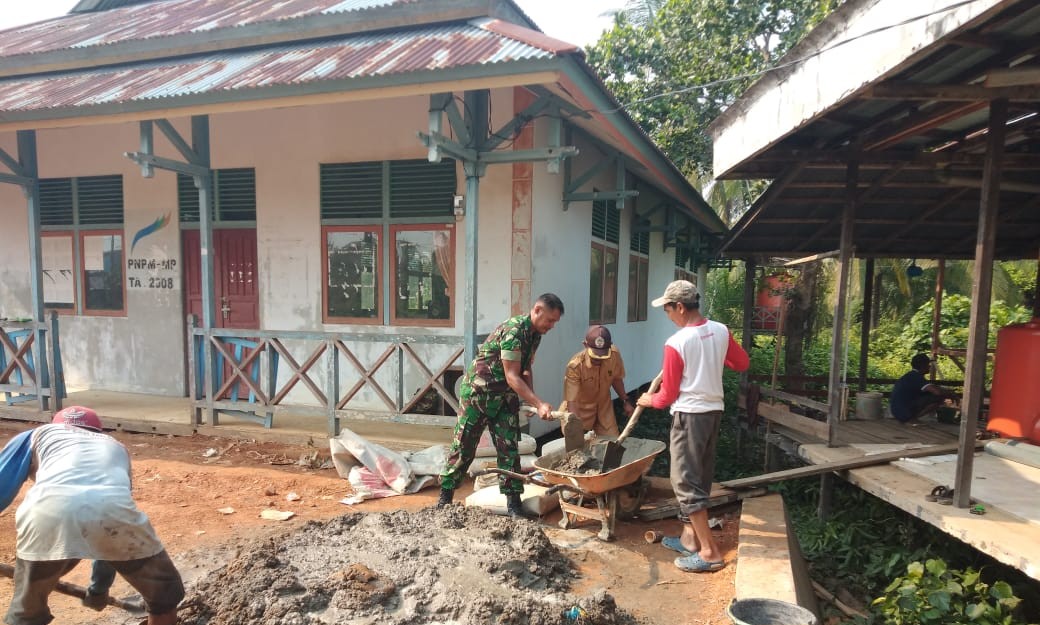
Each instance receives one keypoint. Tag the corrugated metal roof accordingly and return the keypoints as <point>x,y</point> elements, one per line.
<point>165,19</point>
<point>358,56</point>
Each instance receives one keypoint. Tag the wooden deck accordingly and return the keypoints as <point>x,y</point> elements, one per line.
<point>1008,531</point>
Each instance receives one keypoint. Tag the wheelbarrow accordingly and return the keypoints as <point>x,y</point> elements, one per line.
<point>615,494</point>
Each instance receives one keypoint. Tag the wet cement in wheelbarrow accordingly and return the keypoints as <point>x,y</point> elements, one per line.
<point>585,462</point>
<point>454,565</point>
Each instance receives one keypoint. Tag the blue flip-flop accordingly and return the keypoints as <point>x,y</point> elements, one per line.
<point>694,563</point>
<point>675,544</point>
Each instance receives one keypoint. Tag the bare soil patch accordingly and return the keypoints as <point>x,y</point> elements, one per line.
<point>181,485</point>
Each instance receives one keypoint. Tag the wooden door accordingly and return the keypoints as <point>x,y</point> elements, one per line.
<point>235,289</point>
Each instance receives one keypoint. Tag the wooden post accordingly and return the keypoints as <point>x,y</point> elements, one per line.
<point>848,217</point>
<point>940,279</point>
<point>864,334</point>
<point>826,503</point>
<point>981,293</point>
<point>746,337</point>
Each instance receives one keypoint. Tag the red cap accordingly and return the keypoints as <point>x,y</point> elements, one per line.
<point>78,416</point>
<point>597,339</point>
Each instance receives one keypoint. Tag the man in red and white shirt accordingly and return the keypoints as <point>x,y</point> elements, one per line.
<point>691,383</point>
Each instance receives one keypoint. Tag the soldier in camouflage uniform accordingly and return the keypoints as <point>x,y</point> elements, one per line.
<point>494,385</point>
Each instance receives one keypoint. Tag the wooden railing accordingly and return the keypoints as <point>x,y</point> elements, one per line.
<point>31,371</point>
<point>248,375</point>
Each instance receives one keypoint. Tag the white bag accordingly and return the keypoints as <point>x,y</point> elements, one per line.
<point>533,500</point>
<point>479,464</point>
<point>349,450</point>
<point>429,461</point>
<point>485,448</point>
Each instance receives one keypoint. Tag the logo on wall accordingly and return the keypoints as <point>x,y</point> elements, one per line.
<point>151,228</point>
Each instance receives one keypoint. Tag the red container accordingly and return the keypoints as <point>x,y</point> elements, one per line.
<point>769,300</point>
<point>1014,408</point>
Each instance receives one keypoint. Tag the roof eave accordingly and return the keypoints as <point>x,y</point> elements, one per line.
<point>892,35</point>
<point>672,180</point>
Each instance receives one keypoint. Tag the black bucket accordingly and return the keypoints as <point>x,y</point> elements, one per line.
<point>769,612</point>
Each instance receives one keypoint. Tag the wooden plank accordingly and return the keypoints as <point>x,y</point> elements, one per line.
<point>842,465</point>
<point>668,507</point>
<point>794,399</point>
<point>763,554</point>
<point>786,418</point>
<point>996,533</point>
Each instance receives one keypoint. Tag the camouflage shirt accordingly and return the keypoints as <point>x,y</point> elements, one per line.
<point>514,339</point>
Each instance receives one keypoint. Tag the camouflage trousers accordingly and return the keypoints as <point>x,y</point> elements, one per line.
<point>499,413</point>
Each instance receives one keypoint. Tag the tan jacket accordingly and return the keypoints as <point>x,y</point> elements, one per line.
<point>586,390</point>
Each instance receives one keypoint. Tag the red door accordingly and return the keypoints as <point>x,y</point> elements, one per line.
<point>235,291</point>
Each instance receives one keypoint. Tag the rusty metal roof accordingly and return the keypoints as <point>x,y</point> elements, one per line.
<point>920,151</point>
<point>166,19</point>
<point>359,56</point>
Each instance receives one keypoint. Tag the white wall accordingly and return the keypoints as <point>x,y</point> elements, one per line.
<point>127,353</point>
<point>143,351</point>
<point>561,258</point>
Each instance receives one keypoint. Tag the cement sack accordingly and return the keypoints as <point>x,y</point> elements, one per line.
<point>533,500</point>
<point>479,464</point>
<point>368,485</point>
<point>429,461</point>
<point>486,448</point>
<point>350,450</point>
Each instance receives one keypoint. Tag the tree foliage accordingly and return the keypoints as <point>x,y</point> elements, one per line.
<point>708,50</point>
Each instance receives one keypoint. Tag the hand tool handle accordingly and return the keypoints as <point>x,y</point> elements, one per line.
<point>532,411</point>
<point>638,411</point>
<point>73,590</point>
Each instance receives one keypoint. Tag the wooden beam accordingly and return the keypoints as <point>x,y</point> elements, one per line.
<point>917,123</point>
<point>764,200</point>
<point>981,294</point>
<point>809,259</point>
<point>1013,77</point>
<point>835,396</point>
<point>782,416</point>
<point>943,203</point>
<point>844,465</point>
<point>951,92</point>
<point>864,332</point>
<point>876,185</point>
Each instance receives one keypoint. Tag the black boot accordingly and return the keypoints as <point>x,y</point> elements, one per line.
<point>515,510</point>
<point>447,495</point>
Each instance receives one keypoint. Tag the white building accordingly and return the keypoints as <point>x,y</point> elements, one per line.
<point>351,146</point>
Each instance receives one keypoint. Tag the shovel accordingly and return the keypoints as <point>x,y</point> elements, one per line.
<point>610,453</point>
<point>135,608</point>
<point>573,430</point>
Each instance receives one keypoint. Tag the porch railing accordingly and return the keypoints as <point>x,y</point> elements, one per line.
<point>256,374</point>
<point>30,363</point>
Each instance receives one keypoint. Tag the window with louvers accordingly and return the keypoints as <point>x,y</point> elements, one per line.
<point>233,194</point>
<point>373,199</point>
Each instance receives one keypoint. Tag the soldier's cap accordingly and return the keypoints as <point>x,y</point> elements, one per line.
<point>679,292</point>
<point>598,342</point>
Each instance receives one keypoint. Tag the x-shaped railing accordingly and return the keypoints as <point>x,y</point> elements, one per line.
<point>254,372</point>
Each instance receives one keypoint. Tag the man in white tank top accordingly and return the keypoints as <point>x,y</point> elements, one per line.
<point>80,508</point>
<point>691,383</point>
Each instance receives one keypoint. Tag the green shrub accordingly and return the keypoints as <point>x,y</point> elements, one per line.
<point>930,593</point>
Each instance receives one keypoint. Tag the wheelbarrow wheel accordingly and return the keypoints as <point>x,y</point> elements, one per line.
<point>630,498</point>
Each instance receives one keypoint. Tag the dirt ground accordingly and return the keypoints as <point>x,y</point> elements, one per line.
<point>189,486</point>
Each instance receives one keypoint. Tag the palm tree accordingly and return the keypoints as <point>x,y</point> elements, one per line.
<point>639,13</point>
